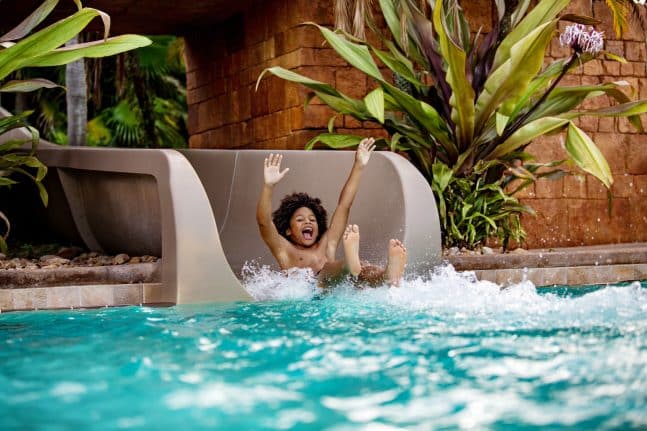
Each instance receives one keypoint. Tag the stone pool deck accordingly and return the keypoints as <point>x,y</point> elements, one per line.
<point>135,284</point>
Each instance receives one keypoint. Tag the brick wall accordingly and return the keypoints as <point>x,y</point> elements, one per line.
<point>225,110</point>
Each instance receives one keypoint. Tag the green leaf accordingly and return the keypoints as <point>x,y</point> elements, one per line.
<point>24,86</point>
<point>564,99</point>
<point>526,134</point>
<point>95,49</point>
<point>326,93</point>
<point>586,155</point>
<point>544,12</point>
<point>44,197</point>
<point>401,66</point>
<point>334,140</point>
<point>501,122</point>
<point>392,20</point>
<point>374,102</point>
<point>630,109</point>
<point>509,81</point>
<point>355,54</point>
<point>4,181</point>
<point>44,41</point>
<point>442,175</point>
<point>462,98</point>
<point>331,123</point>
<point>29,23</point>
<point>614,57</point>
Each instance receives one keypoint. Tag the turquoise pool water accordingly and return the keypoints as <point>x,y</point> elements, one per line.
<point>442,353</point>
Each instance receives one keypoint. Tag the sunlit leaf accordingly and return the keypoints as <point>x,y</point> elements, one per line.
<point>27,85</point>
<point>374,102</point>
<point>586,155</point>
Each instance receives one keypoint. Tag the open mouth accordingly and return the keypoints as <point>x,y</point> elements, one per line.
<point>307,233</point>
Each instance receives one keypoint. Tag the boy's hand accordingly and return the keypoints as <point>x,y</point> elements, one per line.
<point>272,171</point>
<point>364,151</point>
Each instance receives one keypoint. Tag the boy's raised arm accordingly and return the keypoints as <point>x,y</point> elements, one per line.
<point>272,174</point>
<point>339,218</point>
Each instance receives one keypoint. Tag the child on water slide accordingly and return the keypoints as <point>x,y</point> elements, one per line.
<point>298,236</point>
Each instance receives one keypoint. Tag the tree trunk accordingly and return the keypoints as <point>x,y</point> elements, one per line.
<point>77,100</point>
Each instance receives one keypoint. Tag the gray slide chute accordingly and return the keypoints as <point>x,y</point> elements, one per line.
<point>196,208</point>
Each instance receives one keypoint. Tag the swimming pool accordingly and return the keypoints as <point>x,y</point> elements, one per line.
<point>442,353</point>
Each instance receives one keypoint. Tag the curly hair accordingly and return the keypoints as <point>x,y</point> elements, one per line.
<point>291,203</point>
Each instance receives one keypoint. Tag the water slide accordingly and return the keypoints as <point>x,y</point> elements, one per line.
<point>196,208</point>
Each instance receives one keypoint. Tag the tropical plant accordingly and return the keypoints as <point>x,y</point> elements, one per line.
<point>473,103</point>
<point>622,10</point>
<point>20,49</point>
<point>149,106</point>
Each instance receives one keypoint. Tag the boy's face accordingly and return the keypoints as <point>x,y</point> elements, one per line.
<point>303,229</point>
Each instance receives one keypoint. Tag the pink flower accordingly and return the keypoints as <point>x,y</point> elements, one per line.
<point>582,39</point>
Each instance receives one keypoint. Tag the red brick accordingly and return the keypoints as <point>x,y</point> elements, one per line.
<point>590,222</point>
<point>549,189</point>
<point>616,47</point>
<point>637,154</point>
<point>594,188</point>
<point>303,36</point>
<point>550,226</point>
<point>547,149</point>
<point>527,193</point>
<point>352,123</point>
<point>606,124</point>
<point>190,80</point>
<point>259,128</point>
<point>613,148</point>
<point>623,186</point>
<point>192,121</point>
<point>575,186</point>
<point>313,117</point>
<point>557,50</point>
<point>570,80</point>
<point>588,123</point>
<point>593,68</point>
<point>640,184</point>
<point>638,218</point>
<point>635,51</point>
<point>320,57</point>
<point>297,140</point>
<point>626,69</point>
<point>351,82</point>
<point>611,67</point>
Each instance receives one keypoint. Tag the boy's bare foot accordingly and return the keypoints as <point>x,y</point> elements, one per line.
<point>351,249</point>
<point>397,261</point>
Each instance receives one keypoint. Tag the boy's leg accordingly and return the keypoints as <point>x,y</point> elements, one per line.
<point>351,249</point>
<point>397,261</point>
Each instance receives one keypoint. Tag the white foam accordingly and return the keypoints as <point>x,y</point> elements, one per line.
<point>446,291</point>
<point>267,285</point>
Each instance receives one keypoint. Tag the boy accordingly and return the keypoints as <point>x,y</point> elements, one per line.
<point>298,236</point>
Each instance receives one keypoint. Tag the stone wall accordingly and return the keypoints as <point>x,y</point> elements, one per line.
<point>225,110</point>
<point>574,210</point>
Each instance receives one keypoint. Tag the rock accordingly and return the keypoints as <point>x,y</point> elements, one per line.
<point>519,251</point>
<point>147,258</point>
<point>453,251</point>
<point>135,259</point>
<point>2,256</point>
<point>120,259</point>
<point>50,260</point>
<point>69,252</point>
<point>487,250</point>
<point>93,254</point>
<point>104,260</point>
